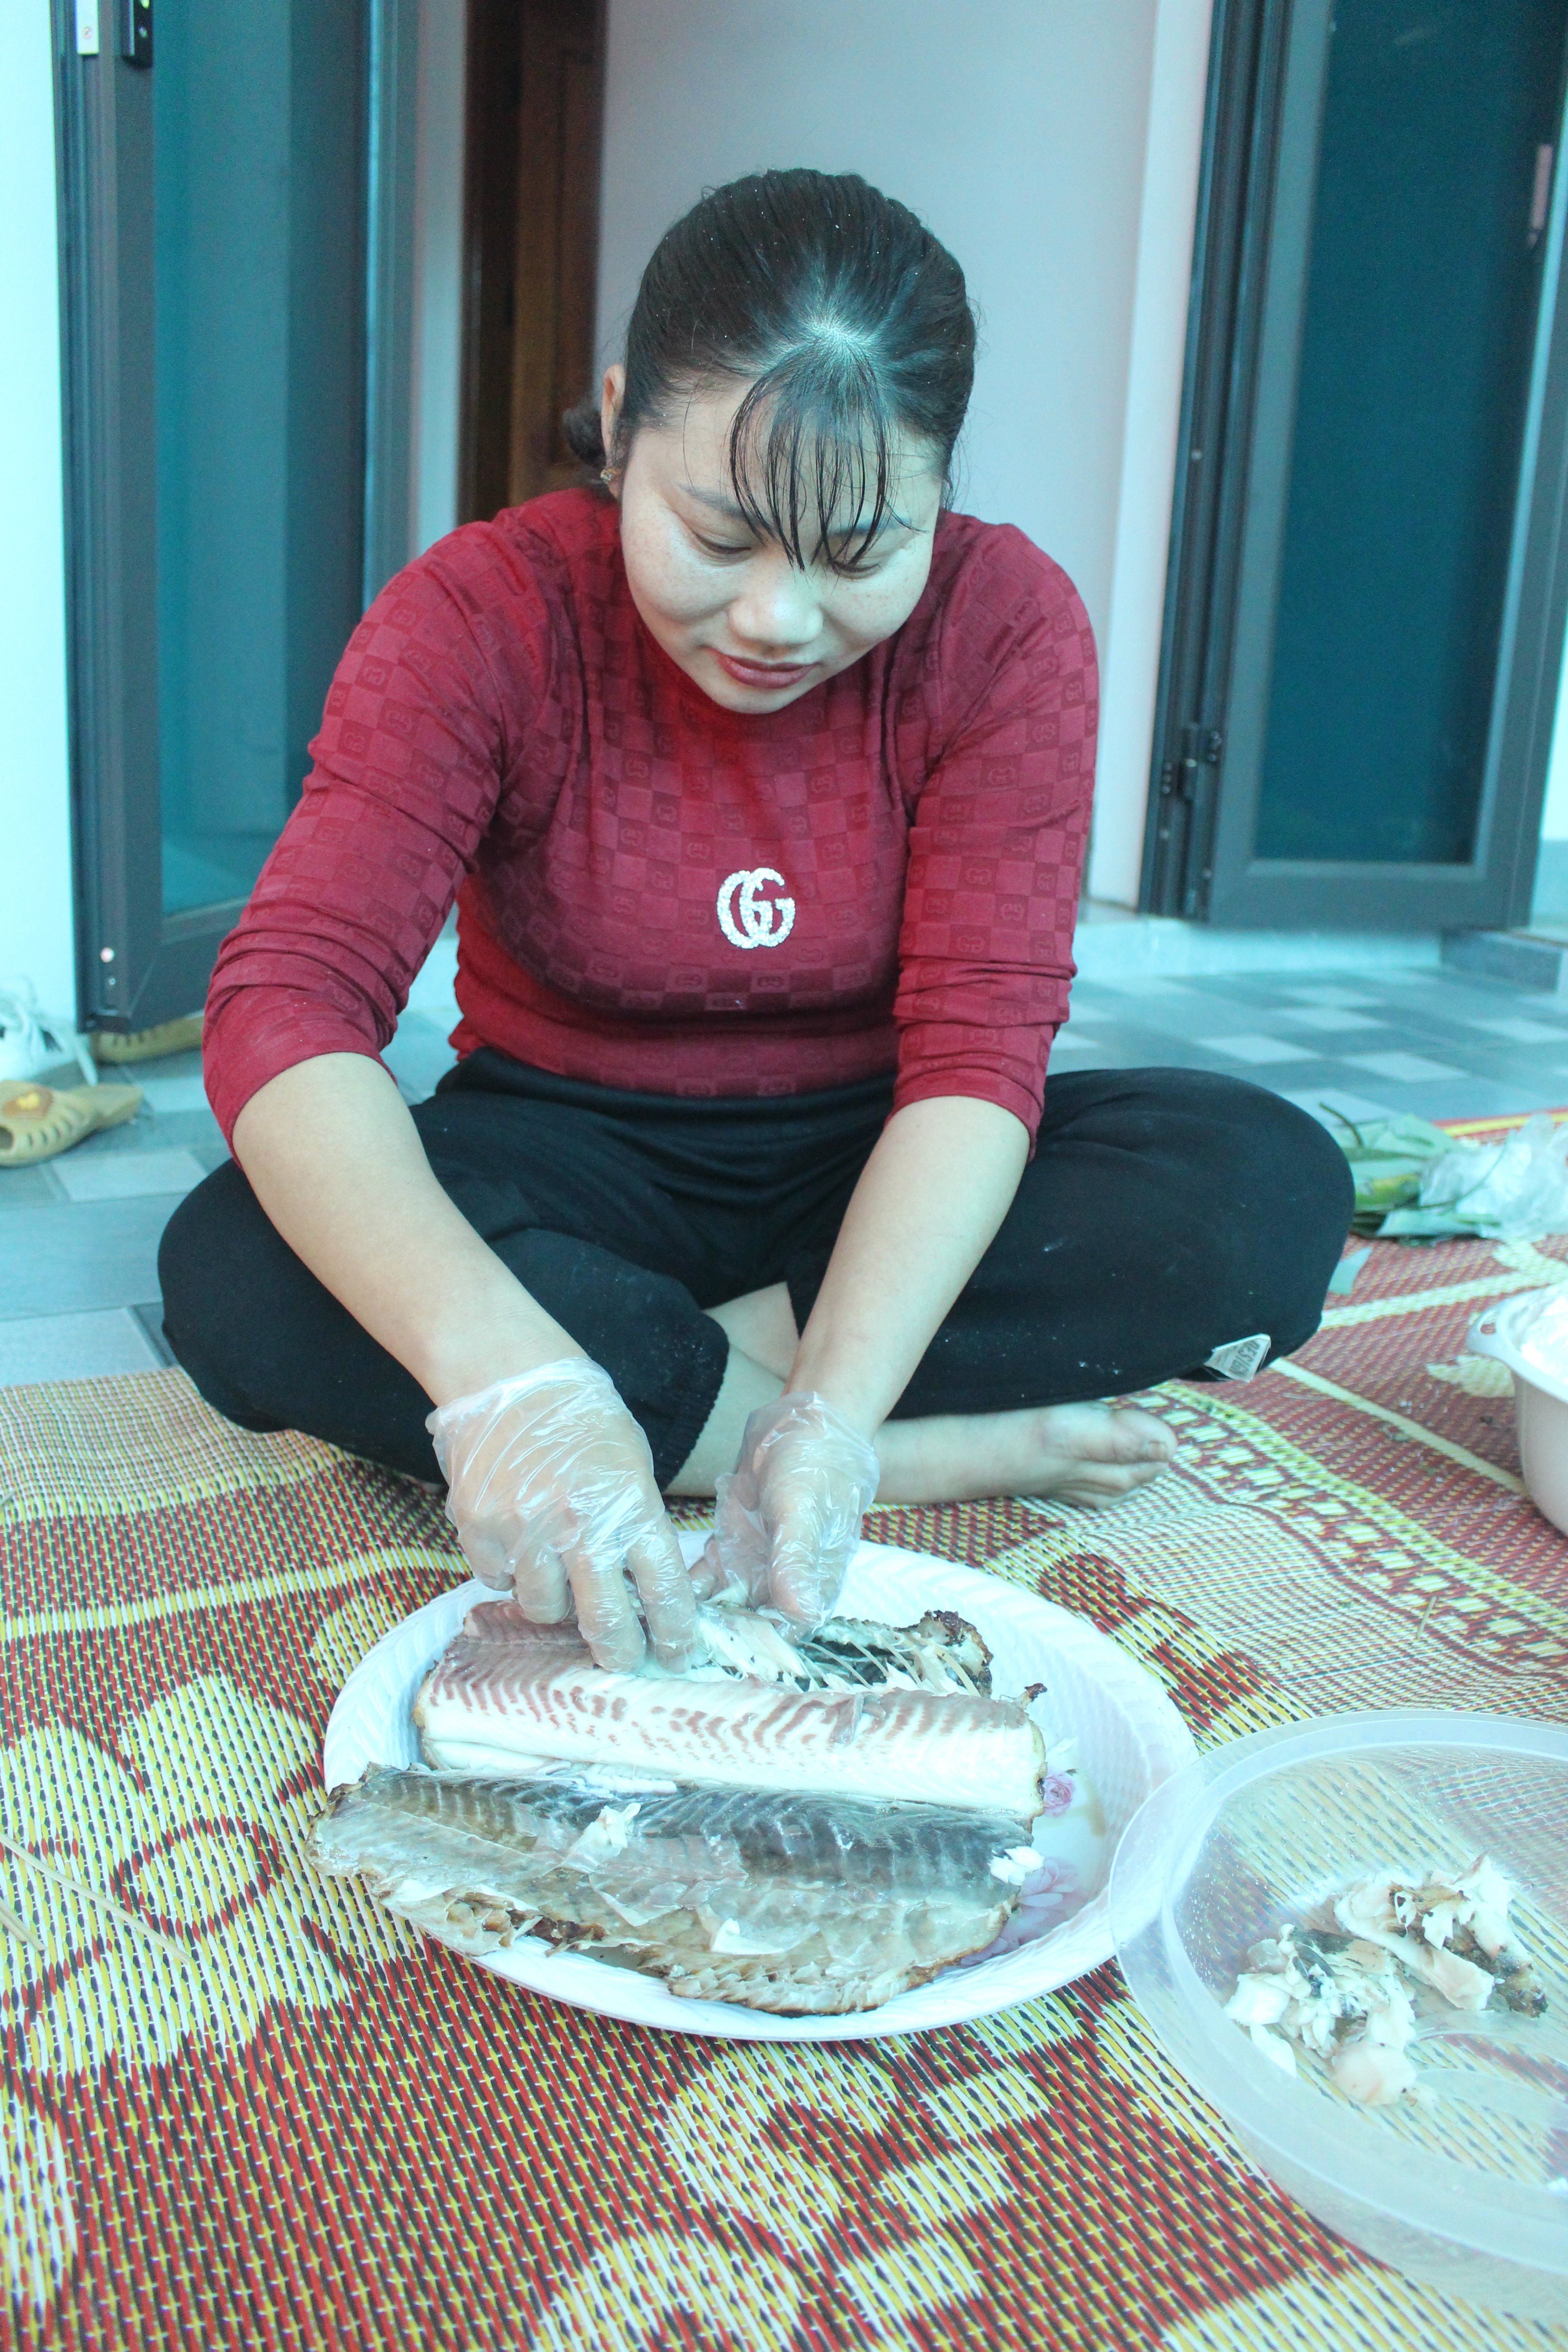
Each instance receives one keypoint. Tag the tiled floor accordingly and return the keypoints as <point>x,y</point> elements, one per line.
<point>78,1238</point>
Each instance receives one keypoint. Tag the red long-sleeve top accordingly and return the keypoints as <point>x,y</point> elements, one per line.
<point>659,894</point>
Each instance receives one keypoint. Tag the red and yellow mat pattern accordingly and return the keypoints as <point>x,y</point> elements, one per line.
<point>288,2122</point>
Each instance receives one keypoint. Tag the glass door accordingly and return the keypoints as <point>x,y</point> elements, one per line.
<point>213,160</point>
<point>1367,590</point>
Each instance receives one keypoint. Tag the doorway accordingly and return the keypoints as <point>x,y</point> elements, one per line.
<point>1368,579</point>
<point>536,97</point>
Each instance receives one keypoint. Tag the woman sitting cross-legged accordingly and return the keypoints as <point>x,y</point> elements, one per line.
<point>760,781</point>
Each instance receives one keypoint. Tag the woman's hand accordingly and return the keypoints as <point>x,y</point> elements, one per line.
<point>787,1519</point>
<point>551,1489</point>
<point>928,1202</point>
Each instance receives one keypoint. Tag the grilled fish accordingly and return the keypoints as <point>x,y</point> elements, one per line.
<point>508,1693</point>
<point>803,1906</point>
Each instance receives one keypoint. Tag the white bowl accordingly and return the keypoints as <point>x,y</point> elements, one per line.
<point>1467,2193</point>
<point>1540,1405</point>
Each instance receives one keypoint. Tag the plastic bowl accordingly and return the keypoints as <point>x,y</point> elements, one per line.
<point>1467,2191</point>
<point>1540,1405</point>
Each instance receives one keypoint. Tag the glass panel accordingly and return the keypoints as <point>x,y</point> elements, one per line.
<point>258,242</point>
<point>1415,354</point>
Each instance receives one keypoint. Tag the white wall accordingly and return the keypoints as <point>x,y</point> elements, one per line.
<point>438,271</point>
<point>1019,131</point>
<point>36,899</point>
<point>1551,905</point>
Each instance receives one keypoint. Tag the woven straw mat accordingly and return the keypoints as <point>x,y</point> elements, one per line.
<point>291,2122</point>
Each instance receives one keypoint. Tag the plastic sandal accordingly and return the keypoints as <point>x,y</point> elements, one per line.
<point>38,1122</point>
<point>179,1037</point>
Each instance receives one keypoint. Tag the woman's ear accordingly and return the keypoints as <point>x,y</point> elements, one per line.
<point>610,398</point>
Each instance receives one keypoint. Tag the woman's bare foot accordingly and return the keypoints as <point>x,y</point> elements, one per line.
<point>1089,1454</point>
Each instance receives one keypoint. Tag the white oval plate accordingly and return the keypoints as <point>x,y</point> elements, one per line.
<point>1131,1739</point>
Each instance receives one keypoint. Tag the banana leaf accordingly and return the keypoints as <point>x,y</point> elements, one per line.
<point>1388,1158</point>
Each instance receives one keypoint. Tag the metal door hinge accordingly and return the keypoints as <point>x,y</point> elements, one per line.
<point>1201,747</point>
<point>136,31</point>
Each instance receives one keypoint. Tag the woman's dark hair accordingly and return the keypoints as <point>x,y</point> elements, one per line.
<point>848,320</point>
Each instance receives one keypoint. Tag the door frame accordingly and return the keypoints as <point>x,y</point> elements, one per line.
<point>391,170</point>
<point>1256,198</point>
<point>137,966</point>
<point>134,966</point>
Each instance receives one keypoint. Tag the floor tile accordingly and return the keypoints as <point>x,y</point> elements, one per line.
<point>1406,1069</point>
<point>1467,1097</point>
<point>1147,985</point>
<point>1326,1100</point>
<point>129,1174</point>
<point>149,1315</point>
<point>1256,1049</point>
<point>138,1134</point>
<point>73,1255</point>
<point>190,1128</point>
<point>1327,1017</point>
<point>74,1347</point>
<point>1347,999</point>
<point>166,1095</point>
<point>25,1188</point>
<point>1525,1032</point>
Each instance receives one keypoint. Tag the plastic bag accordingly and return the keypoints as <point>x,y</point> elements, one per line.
<point>1414,1182</point>
<point>1513,1191</point>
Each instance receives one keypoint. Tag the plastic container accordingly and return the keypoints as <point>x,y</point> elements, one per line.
<point>1540,1403</point>
<point>1466,2190</point>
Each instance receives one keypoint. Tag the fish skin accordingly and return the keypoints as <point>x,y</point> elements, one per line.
<point>508,1693</point>
<point>802,1906</point>
<point>941,1652</point>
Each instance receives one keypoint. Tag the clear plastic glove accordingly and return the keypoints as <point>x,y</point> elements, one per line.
<point>551,1488</point>
<point>787,1518</point>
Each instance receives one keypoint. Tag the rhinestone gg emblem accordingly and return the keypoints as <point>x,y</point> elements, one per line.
<point>749,921</point>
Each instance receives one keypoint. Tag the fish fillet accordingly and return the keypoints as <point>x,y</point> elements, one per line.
<point>803,1905</point>
<point>508,1693</point>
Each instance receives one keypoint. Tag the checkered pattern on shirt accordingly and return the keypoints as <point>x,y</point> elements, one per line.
<point>503,725</point>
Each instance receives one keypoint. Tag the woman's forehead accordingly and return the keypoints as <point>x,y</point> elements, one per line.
<point>699,445</point>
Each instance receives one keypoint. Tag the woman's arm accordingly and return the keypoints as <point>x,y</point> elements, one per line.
<point>336,1161</point>
<point>927,1207</point>
<point>929,1201</point>
<point>549,1482</point>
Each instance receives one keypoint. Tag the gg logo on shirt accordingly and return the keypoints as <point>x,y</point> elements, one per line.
<point>764,923</point>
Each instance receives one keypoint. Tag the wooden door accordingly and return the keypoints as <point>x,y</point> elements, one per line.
<point>535,109</point>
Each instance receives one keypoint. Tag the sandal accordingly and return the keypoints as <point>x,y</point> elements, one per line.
<point>38,1122</point>
<point>179,1037</point>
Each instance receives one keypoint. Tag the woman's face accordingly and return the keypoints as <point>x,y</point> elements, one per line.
<point>752,630</point>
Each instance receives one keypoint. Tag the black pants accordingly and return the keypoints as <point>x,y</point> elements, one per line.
<point>1165,1212</point>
